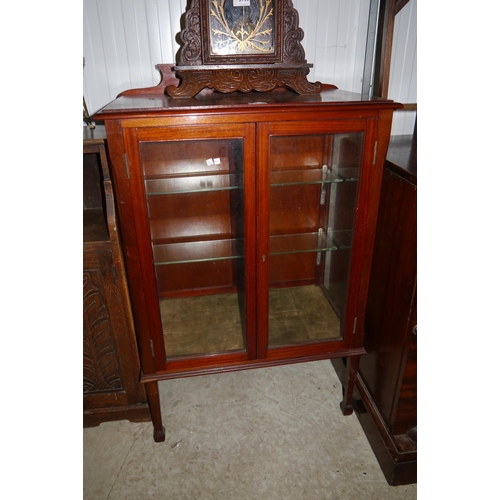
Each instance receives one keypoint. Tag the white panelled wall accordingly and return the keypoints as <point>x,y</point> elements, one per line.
<point>123,40</point>
<point>403,75</point>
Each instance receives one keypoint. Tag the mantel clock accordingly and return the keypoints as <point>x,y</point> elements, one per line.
<point>242,45</point>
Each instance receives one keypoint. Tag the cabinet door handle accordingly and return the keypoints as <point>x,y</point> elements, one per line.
<point>414,330</point>
<point>263,258</point>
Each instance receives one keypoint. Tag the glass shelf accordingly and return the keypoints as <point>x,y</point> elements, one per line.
<point>197,251</point>
<point>301,243</point>
<point>313,175</point>
<point>193,184</point>
<point>342,239</point>
<point>205,251</point>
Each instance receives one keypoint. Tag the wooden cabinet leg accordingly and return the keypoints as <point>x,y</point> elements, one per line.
<point>155,409</point>
<point>350,380</point>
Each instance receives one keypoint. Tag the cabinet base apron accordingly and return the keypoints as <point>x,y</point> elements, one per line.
<point>151,383</point>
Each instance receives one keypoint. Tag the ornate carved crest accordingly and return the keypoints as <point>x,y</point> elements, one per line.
<point>191,37</point>
<point>292,36</point>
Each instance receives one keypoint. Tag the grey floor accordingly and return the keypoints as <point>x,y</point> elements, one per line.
<point>268,433</point>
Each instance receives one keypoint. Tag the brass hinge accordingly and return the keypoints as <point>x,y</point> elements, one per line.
<point>127,170</point>
<point>152,348</point>
<point>375,153</point>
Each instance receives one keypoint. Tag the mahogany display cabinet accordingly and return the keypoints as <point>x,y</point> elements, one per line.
<point>248,224</point>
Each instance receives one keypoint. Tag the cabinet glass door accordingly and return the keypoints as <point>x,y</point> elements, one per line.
<point>312,204</point>
<point>195,200</point>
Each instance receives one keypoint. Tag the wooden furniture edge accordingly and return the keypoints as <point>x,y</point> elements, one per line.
<point>398,468</point>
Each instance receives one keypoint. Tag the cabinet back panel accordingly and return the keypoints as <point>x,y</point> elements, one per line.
<point>190,216</point>
<point>188,157</point>
<point>292,268</point>
<point>294,209</point>
<point>195,278</point>
<point>297,151</point>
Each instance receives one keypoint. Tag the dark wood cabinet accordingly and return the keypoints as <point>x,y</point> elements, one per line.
<point>111,369</point>
<point>387,380</point>
<point>248,223</point>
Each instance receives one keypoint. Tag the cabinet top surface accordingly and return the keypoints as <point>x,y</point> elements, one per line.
<point>402,157</point>
<point>269,101</point>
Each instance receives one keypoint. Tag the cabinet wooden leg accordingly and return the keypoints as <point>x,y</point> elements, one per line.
<point>155,409</point>
<point>350,380</point>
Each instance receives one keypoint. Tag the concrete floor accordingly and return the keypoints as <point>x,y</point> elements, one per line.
<point>268,433</point>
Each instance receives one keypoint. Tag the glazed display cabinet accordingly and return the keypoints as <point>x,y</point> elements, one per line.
<point>248,224</point>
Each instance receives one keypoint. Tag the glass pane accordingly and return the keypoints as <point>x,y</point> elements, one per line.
<point>312,205</point>
<point>194,192</point>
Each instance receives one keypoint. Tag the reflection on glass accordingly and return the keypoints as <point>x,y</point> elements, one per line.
<point>312,205</point>
<point>194,193</point>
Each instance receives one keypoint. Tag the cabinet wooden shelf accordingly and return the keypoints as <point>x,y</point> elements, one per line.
<point>248,229</point>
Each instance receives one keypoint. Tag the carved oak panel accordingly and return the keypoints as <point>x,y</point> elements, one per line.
<point>100,367</point>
